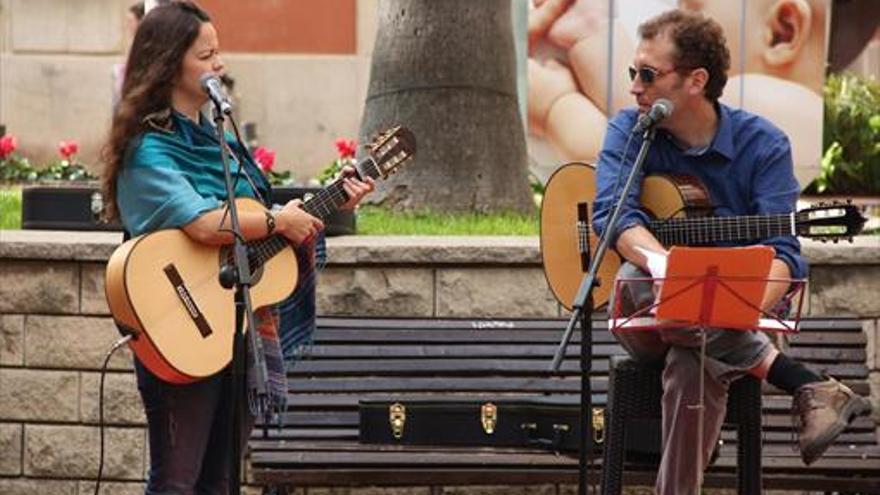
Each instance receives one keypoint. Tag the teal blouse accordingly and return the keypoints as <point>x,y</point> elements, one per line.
<point>171,177</point>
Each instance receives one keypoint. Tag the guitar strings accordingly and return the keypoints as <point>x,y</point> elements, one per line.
<point>709,229</point>
<point>324,203</point>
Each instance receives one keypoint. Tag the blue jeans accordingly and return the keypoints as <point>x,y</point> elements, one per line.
<point>188,433</point>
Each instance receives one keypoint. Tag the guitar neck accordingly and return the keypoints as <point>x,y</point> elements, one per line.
<point>322,205</point>
<point>708,230</point>
<point>326,201</point>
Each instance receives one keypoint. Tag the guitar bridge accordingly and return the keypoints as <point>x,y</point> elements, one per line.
<point>583,235</point>
<point>187,300</point>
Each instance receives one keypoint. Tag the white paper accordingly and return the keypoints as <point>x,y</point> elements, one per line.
<point>656,262</point>
<point>657,266</point>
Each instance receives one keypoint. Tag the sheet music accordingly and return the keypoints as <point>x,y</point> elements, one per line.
<point>651,323</point>
<point>656,261</point>
<point>657,266</point>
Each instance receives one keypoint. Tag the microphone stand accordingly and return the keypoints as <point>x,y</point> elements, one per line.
<point>582,311</point>
<point>238,275</point>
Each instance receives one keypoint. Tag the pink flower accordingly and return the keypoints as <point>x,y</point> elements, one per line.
<point>265,158</point>
<point>67,149</point>
<point>8,144</point>
<point>346,147</point>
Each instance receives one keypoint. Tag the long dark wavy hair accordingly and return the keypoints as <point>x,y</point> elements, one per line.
<point>154,63</point>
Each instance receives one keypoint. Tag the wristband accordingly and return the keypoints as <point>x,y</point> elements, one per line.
<point>270,222</point>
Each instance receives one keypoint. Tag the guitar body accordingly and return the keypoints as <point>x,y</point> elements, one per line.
<point>164,287</point>
<point>674,196</point>
<point>568,198</point>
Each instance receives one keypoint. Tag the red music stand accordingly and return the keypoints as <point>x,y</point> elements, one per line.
<point>728,285</point>
<point>707,288</point>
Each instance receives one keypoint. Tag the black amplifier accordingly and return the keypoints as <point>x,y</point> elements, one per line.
<point>67,207</point>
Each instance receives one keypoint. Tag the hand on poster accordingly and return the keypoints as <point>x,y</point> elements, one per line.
<point>567,74</point>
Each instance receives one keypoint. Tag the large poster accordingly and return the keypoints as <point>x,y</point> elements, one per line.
<point>579,52</point>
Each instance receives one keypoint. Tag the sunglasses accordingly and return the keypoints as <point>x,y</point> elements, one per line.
<point>647,74</point>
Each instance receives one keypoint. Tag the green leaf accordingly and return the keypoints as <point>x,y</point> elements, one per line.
<point>851,162</point>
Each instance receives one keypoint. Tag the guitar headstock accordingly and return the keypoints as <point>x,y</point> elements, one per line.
<point>388,151</point>
<point>833,221</point>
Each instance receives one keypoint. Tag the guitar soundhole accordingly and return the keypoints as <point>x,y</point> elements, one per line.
<point>225,258</point>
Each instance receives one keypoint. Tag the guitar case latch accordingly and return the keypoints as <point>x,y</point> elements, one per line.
<point>598,425</point>
<point>397,419</point>
<point>489,417</point>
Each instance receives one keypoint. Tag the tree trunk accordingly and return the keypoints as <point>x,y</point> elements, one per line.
<point>446,69</point>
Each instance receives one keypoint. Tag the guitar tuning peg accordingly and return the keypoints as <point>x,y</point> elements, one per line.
<point>835,240</point>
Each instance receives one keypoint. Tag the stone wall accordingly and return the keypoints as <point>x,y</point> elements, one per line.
<point>55,332</point>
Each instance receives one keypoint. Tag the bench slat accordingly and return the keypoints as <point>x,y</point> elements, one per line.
<point>541,351</point>
<point>451,336</point>
<point>370,384</point>
<point>446,366</point>
<point>325,336</point>
<point>536,351</point>
<point>825,322</point>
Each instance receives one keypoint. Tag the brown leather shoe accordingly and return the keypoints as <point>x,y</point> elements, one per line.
<point>825,409</point>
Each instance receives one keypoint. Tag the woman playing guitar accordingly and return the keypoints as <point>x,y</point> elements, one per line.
<point>164,171</point>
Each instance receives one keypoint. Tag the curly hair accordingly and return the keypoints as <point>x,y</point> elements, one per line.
<point>699,43</point>
<point>154,63</point>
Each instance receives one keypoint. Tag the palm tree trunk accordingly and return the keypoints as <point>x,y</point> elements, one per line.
<point>446,69</point>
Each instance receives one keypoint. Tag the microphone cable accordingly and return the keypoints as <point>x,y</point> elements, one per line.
<point>119,343</point>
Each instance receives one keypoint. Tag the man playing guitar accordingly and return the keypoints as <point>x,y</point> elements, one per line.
<point>745,163</point>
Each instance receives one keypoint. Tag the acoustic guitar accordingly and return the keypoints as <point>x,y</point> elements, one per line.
<point>680,210</point>
<point>164,287</point>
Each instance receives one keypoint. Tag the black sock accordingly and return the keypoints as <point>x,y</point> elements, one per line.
<point>789,375</point>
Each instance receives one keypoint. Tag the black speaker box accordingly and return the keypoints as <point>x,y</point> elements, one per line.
<point>67,207</point>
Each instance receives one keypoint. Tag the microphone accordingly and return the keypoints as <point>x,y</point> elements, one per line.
<point>212,86</point>
<point>661,109</point>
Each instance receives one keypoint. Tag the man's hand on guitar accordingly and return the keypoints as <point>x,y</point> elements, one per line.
<point>354,187</point>
<point>295,224</point>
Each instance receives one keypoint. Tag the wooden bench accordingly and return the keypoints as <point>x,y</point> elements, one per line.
<point>399,359</point>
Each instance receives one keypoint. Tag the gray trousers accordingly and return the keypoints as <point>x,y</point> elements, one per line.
<point>729,354</point>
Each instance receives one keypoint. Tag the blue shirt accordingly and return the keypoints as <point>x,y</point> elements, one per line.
<point>170,178</point>
<point>747,170</point>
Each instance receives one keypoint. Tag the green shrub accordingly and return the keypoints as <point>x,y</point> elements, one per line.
<point>851,162</point>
